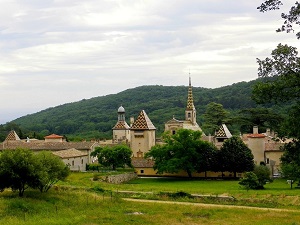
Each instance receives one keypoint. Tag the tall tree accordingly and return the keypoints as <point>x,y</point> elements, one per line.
<point>281,83</point>
<point>214,116</point>
<point>261,117</point>
<point>116,156</point>
<point>182,151</point>
<point>52,169</point>
<point>236,156</point>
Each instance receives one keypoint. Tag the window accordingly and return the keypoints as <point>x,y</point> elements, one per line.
<point>142,171</point>
<point>173,132</point>
<point>189,115</point>
<point>81,161</point>
<point>72,162</point>
<point>267,160</point>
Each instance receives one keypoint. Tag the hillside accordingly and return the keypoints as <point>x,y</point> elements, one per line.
<point>94,118</point>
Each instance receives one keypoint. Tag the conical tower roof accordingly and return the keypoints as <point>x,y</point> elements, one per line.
<point>143,122</point>
<point>190,100</point>
<point>223,132</point>
<point>12,136</point>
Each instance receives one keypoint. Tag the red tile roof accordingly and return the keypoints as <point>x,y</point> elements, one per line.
<point>256,136</point>
<point>53,136</point>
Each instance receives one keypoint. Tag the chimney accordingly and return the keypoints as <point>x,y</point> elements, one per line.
<point>255,129</point>
<point>268,132</point>
<point>131,121</point>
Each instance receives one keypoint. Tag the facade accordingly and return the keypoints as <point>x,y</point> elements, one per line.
<point>75,159</point>
<point>121,131</point>
<point>265,147</point>
<point>142,135</point>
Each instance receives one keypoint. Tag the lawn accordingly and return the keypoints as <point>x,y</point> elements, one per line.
<point>77,201</point>
<point>81,207</point>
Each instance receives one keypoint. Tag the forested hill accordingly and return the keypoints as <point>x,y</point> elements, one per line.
<point>95,117</point>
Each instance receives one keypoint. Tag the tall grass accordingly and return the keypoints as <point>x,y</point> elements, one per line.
<point>63,206</point>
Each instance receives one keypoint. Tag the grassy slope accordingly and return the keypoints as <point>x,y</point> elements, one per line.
<point>65,205</point>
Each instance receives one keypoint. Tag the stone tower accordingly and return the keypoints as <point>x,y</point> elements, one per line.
<point>121,131</point>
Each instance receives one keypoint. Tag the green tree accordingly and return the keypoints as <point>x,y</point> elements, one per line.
<point>263,174</point>
<point>116,156</point>
<point>236,156</point>
<point>18,170</point>
<point>214,116</point>
<point>249,181</point>
<point>257,178</point>
<point>182,151</point>
<point>290,161</point>
<point>261,117</point>
<point>51,170</point>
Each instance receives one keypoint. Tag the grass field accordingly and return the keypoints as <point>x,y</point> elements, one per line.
<point>73,202</point>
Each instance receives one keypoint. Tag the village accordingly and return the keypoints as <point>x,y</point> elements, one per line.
<point>140,137</point>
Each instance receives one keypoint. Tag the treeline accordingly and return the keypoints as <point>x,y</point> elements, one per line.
<point>94,118</point>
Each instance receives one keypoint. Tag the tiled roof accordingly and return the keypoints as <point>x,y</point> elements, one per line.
<point>12,136</point>
<point>223,132</point>
<point>121,125</point>
<point>53,136</point>
<point>143,122</point>
<point>42,145</point>
<point>190,101</point>
<point>69,153</point>
<point>142,163</point>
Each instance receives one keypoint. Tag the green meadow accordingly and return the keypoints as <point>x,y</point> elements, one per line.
<point>79,200</point>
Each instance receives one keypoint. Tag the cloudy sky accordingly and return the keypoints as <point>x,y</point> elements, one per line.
<point>59,51</point>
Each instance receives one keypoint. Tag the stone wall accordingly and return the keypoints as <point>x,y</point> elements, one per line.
<point>120,178</point>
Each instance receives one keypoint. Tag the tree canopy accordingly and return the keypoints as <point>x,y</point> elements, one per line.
<point>182,151</point>
<point>235,156</point>
<point>21,169</point>
<point>114,157</point>
<point>214,116</point>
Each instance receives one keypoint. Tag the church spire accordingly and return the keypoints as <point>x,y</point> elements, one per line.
<point>190,112</point>
<point>190,100</point>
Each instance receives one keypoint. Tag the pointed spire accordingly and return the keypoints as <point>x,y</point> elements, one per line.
<point>190,100</point>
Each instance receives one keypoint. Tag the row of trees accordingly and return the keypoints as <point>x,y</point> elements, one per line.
<point>186,151</point>
<point>21,169</point>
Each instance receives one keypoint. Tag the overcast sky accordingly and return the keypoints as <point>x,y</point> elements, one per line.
<point>59,51</point>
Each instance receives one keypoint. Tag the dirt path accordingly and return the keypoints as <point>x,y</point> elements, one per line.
<point>211,205</point>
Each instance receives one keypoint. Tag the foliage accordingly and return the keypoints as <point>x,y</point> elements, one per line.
<point>283,68</point>
<point>115,156</point>
<point>183,151</point>
<point>290,19</point>
<point>256,179</point>
<point>249,181</point>
<point>214,116</point>
<point>263,174</point>
<point>21,169</point>
<point>282,85</point>
<point>18,170</point>
<point>52,169</point>
<point>261,117</point>
<point>290,161</point>
<point>235,156</point>
<point>94,118</point>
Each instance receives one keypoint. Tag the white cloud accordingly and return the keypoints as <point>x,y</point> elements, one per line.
<point>82,49</point>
